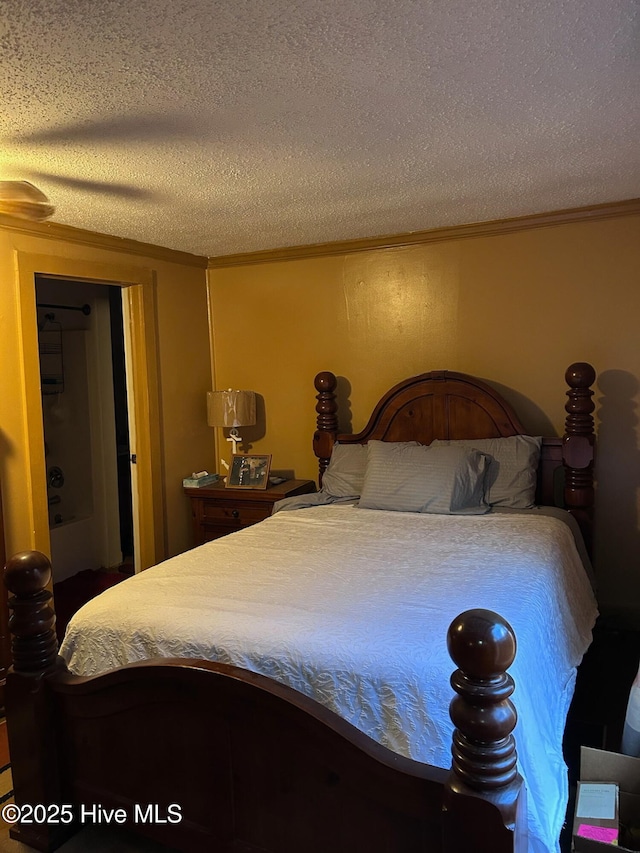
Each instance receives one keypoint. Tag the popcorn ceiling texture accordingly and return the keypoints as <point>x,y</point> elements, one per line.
<point>220,127</point>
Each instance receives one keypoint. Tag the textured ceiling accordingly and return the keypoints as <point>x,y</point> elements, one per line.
<point>224,126</point>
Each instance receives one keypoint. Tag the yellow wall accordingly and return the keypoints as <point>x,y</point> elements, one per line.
<point>514,308</point>
<point>178,336</point>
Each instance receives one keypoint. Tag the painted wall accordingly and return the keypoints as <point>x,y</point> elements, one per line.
<point>181,337</point>
<point>515,309</point>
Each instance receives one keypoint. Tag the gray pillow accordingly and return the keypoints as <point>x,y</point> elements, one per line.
<point>512,475</point>
<point>345,473</point>
<point>419,478</point>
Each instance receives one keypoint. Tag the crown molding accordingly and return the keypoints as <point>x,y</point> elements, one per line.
<point>491,228</point>
<point>122,245</point>
<point>69,234</point>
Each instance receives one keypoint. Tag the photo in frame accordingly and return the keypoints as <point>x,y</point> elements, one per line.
<point>249,472</point>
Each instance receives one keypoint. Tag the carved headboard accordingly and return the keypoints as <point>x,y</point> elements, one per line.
<point>447,405</point>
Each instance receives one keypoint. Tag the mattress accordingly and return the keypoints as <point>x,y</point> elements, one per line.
<point>351,607</point>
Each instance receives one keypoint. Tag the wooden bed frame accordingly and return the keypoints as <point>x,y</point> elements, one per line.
<point>257,767</point>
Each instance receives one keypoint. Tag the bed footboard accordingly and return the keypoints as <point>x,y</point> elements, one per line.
<point>200,755</point>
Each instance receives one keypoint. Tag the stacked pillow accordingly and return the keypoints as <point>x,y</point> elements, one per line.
<point>444,480</point>
<point>464,477</point>
<point>513,472</point>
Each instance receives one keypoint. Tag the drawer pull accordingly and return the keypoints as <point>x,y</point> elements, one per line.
<point>235,514</point>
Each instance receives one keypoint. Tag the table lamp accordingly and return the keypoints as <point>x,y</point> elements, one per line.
<point>231,409</point>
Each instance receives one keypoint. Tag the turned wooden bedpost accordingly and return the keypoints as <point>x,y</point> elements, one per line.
<point>483,646</point>
<point>30,715</point>
<point>578,447</point>
<point>34,647</point>
<point>327,423</point>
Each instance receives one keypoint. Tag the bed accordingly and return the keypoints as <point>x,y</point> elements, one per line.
<point>308,708</point>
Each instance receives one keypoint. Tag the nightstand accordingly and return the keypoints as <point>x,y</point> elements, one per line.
<point>217,510</point>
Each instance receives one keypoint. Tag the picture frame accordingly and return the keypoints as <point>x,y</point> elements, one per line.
<point>249,471</point>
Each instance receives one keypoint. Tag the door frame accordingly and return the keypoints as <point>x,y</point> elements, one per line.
<point>140,330</point>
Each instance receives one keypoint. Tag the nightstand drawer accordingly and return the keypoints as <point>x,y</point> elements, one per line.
<point>217,511</point>
<point>240,515</point>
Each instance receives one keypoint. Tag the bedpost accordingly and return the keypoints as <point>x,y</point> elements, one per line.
<point>327,422</point>
<point>578,447</point>
<point>30,715</point>
<point>483,646</point>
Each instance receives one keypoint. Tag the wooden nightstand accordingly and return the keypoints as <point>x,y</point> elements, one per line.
<point>217,510</point>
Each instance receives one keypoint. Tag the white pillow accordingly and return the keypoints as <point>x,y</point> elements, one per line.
<point>513,472</point>
<point>419,478</point>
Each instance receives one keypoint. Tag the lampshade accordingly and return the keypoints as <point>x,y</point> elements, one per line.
<point>231,408</point>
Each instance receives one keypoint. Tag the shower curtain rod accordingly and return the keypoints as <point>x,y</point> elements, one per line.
<point>86,309</point>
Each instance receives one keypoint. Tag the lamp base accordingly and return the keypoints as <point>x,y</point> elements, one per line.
<point>235,439</point>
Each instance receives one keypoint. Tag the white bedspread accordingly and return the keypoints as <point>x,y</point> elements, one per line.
<point>352,606</point>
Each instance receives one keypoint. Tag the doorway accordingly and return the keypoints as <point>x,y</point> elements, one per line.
<point>86,428</point>
<point>30,525</point>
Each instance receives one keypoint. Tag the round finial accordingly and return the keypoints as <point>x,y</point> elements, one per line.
<point>27,573</point>
<point>580,375</point>
<point>325,381</point>
<point>481,643</point>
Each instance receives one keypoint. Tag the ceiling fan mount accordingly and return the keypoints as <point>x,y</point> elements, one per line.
<point>24,201</point>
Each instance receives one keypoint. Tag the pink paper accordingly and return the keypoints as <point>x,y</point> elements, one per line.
<point>598,833</point>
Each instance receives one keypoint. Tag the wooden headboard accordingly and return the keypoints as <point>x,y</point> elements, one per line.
<point>447,405</point>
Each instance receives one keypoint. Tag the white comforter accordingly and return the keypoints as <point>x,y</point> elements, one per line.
<point>352,606</point>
